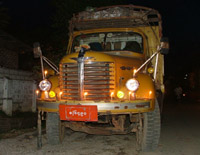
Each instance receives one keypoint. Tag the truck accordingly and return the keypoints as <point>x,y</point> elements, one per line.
<point>111,79</point>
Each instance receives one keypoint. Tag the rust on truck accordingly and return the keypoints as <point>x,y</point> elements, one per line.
<point>111,79</point>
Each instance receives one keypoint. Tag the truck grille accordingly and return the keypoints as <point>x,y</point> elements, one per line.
<point>98,80</point>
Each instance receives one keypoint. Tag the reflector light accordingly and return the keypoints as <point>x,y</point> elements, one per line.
<point>150,70</point>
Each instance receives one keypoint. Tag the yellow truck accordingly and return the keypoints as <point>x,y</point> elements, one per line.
<point>111,79</point>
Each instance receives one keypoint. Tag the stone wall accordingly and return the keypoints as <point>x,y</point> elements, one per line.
<point>17,91</point>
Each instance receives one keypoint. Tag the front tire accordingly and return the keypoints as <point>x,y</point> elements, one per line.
<point>54,129</point>
<point>148,130</point>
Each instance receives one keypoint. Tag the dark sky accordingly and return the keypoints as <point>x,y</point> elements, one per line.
<point>180,23</point>
<point>180,18</point>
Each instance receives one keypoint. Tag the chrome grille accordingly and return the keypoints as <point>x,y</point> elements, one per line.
<point>98,80</point>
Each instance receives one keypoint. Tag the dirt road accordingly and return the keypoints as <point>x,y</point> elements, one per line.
<point>180,135</point>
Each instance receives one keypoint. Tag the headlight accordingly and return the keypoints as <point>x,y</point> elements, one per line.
<point>45,85</point>
<point>120,94</point>
<point>132,84</point>
<point>52,94</point>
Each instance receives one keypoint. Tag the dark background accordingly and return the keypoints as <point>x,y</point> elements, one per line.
<point>46,21</point>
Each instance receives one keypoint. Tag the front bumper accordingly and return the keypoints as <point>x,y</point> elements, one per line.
<point>117,107</point>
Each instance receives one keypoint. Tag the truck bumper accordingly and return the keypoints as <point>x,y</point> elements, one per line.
<point>103,108</point>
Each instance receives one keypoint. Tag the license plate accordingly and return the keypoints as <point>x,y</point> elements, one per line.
<point>78,113</point>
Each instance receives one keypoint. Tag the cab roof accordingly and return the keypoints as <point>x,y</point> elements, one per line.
<point>117,16</point>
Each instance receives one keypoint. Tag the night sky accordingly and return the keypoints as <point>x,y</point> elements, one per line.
<point>180,24</point>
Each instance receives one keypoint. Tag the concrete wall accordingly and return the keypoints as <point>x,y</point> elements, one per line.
<point>17,91</point>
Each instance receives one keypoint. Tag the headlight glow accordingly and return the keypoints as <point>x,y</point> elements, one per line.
<point>52,94</point>
<point>45,85</point>
<point>120,94</point>
<point>132,84</point>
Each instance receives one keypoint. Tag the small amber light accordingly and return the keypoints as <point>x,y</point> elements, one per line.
<point>129,95</point>
<point>134,71</point>
<point>52,94</point>
<point>85,94</point>
<point>37,92</point>
<point>60,94</point>
<point>150,70</point>
<point>45,73</point>
<point>120,94</point>
<point>111,95</point>
<point>150,92</point>
<point>46,94</point>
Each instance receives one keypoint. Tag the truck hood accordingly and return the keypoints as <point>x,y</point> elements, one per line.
<point>103,57</point>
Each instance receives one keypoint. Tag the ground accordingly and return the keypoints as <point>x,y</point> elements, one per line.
<point>179,136</point>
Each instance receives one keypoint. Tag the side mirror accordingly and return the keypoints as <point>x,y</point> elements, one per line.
<point>164,42</point>
<point>36,50</point>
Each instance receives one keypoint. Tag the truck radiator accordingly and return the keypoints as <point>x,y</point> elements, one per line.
<point>98,81</point>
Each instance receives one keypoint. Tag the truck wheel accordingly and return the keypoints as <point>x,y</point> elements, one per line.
<point>148,130</point>
<point>54,129</point>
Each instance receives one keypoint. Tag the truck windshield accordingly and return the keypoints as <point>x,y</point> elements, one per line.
<point>111,41</point>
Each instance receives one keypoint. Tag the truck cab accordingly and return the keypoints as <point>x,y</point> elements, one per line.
<point>111,79</point>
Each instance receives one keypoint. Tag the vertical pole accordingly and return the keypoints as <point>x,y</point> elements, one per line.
<point>39,128</point>
<point>42,66</point>
<point>34,97</point>
<point>156,66</point>
<point>81,77</point>
<point>7,99</point>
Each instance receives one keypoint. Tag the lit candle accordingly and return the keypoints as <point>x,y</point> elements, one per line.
<point>45,73</point>
<point>150,92</point>
<point>129,95</point>
<point>37,92</point>
<point>134,72</point>
<point>85,94</point>
<point>111,95</point>
<point>60,95</point>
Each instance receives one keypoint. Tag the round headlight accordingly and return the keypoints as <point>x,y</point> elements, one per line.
<point>132,84</point>
<point>45,85</point>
